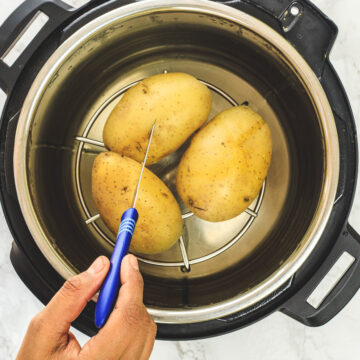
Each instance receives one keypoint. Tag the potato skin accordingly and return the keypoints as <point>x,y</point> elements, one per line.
<point>179,104</point>
<point>225,165</point>
<point>114,180</point>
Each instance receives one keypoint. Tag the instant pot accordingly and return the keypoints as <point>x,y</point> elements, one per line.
<point>270,54</point>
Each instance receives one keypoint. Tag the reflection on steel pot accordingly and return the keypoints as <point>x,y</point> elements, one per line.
<point>220,276</point>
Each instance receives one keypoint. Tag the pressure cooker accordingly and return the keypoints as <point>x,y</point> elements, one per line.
<point>272,55</point>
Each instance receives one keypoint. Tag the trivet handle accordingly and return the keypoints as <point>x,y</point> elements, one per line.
<point>314,305</point>
<point>110,287</point>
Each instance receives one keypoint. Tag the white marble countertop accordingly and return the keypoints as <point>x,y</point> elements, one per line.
<point>277,337</point>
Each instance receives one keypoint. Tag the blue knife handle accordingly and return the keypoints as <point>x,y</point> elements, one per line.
<point>110,287</point>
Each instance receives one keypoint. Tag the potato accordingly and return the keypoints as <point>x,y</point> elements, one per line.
<point>114,180</point>
<point>225,165</point>
<point>179,104</point>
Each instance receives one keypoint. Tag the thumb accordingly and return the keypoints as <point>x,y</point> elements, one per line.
<point>130,298</point>
<point>73,296</point>
<point>132,282</point>
<point>128,316</point>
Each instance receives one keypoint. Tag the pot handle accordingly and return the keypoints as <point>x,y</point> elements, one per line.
<point>15,26</point>
<point>315,304</point>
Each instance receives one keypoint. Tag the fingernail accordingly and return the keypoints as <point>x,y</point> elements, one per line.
<point>96,266</point>
<point>134,262</point>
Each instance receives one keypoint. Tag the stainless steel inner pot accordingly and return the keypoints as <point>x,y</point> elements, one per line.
<point>216,268</point>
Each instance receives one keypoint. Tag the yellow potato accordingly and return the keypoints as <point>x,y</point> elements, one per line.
<point>225,165</point>
<point>179,104</point>
<point>114,180</point>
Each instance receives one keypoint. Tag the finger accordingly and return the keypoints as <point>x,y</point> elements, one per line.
<point>124,342</point>
<point>73,346</point>
<point>149,345</point>
<point>71,299</point>
<point>142,340</point>
<point>134,348</point>
<point>148,348</point>
<point>129,303</point>
<point>145,345</point>
<point>127,322</point>
<point>132,284</point>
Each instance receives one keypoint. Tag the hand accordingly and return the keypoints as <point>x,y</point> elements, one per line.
<point>129,333</point>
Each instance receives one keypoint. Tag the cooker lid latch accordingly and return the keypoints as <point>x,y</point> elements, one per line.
<point>310,31</point>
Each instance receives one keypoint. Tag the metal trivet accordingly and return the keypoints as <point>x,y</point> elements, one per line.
<point>91,218</point>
